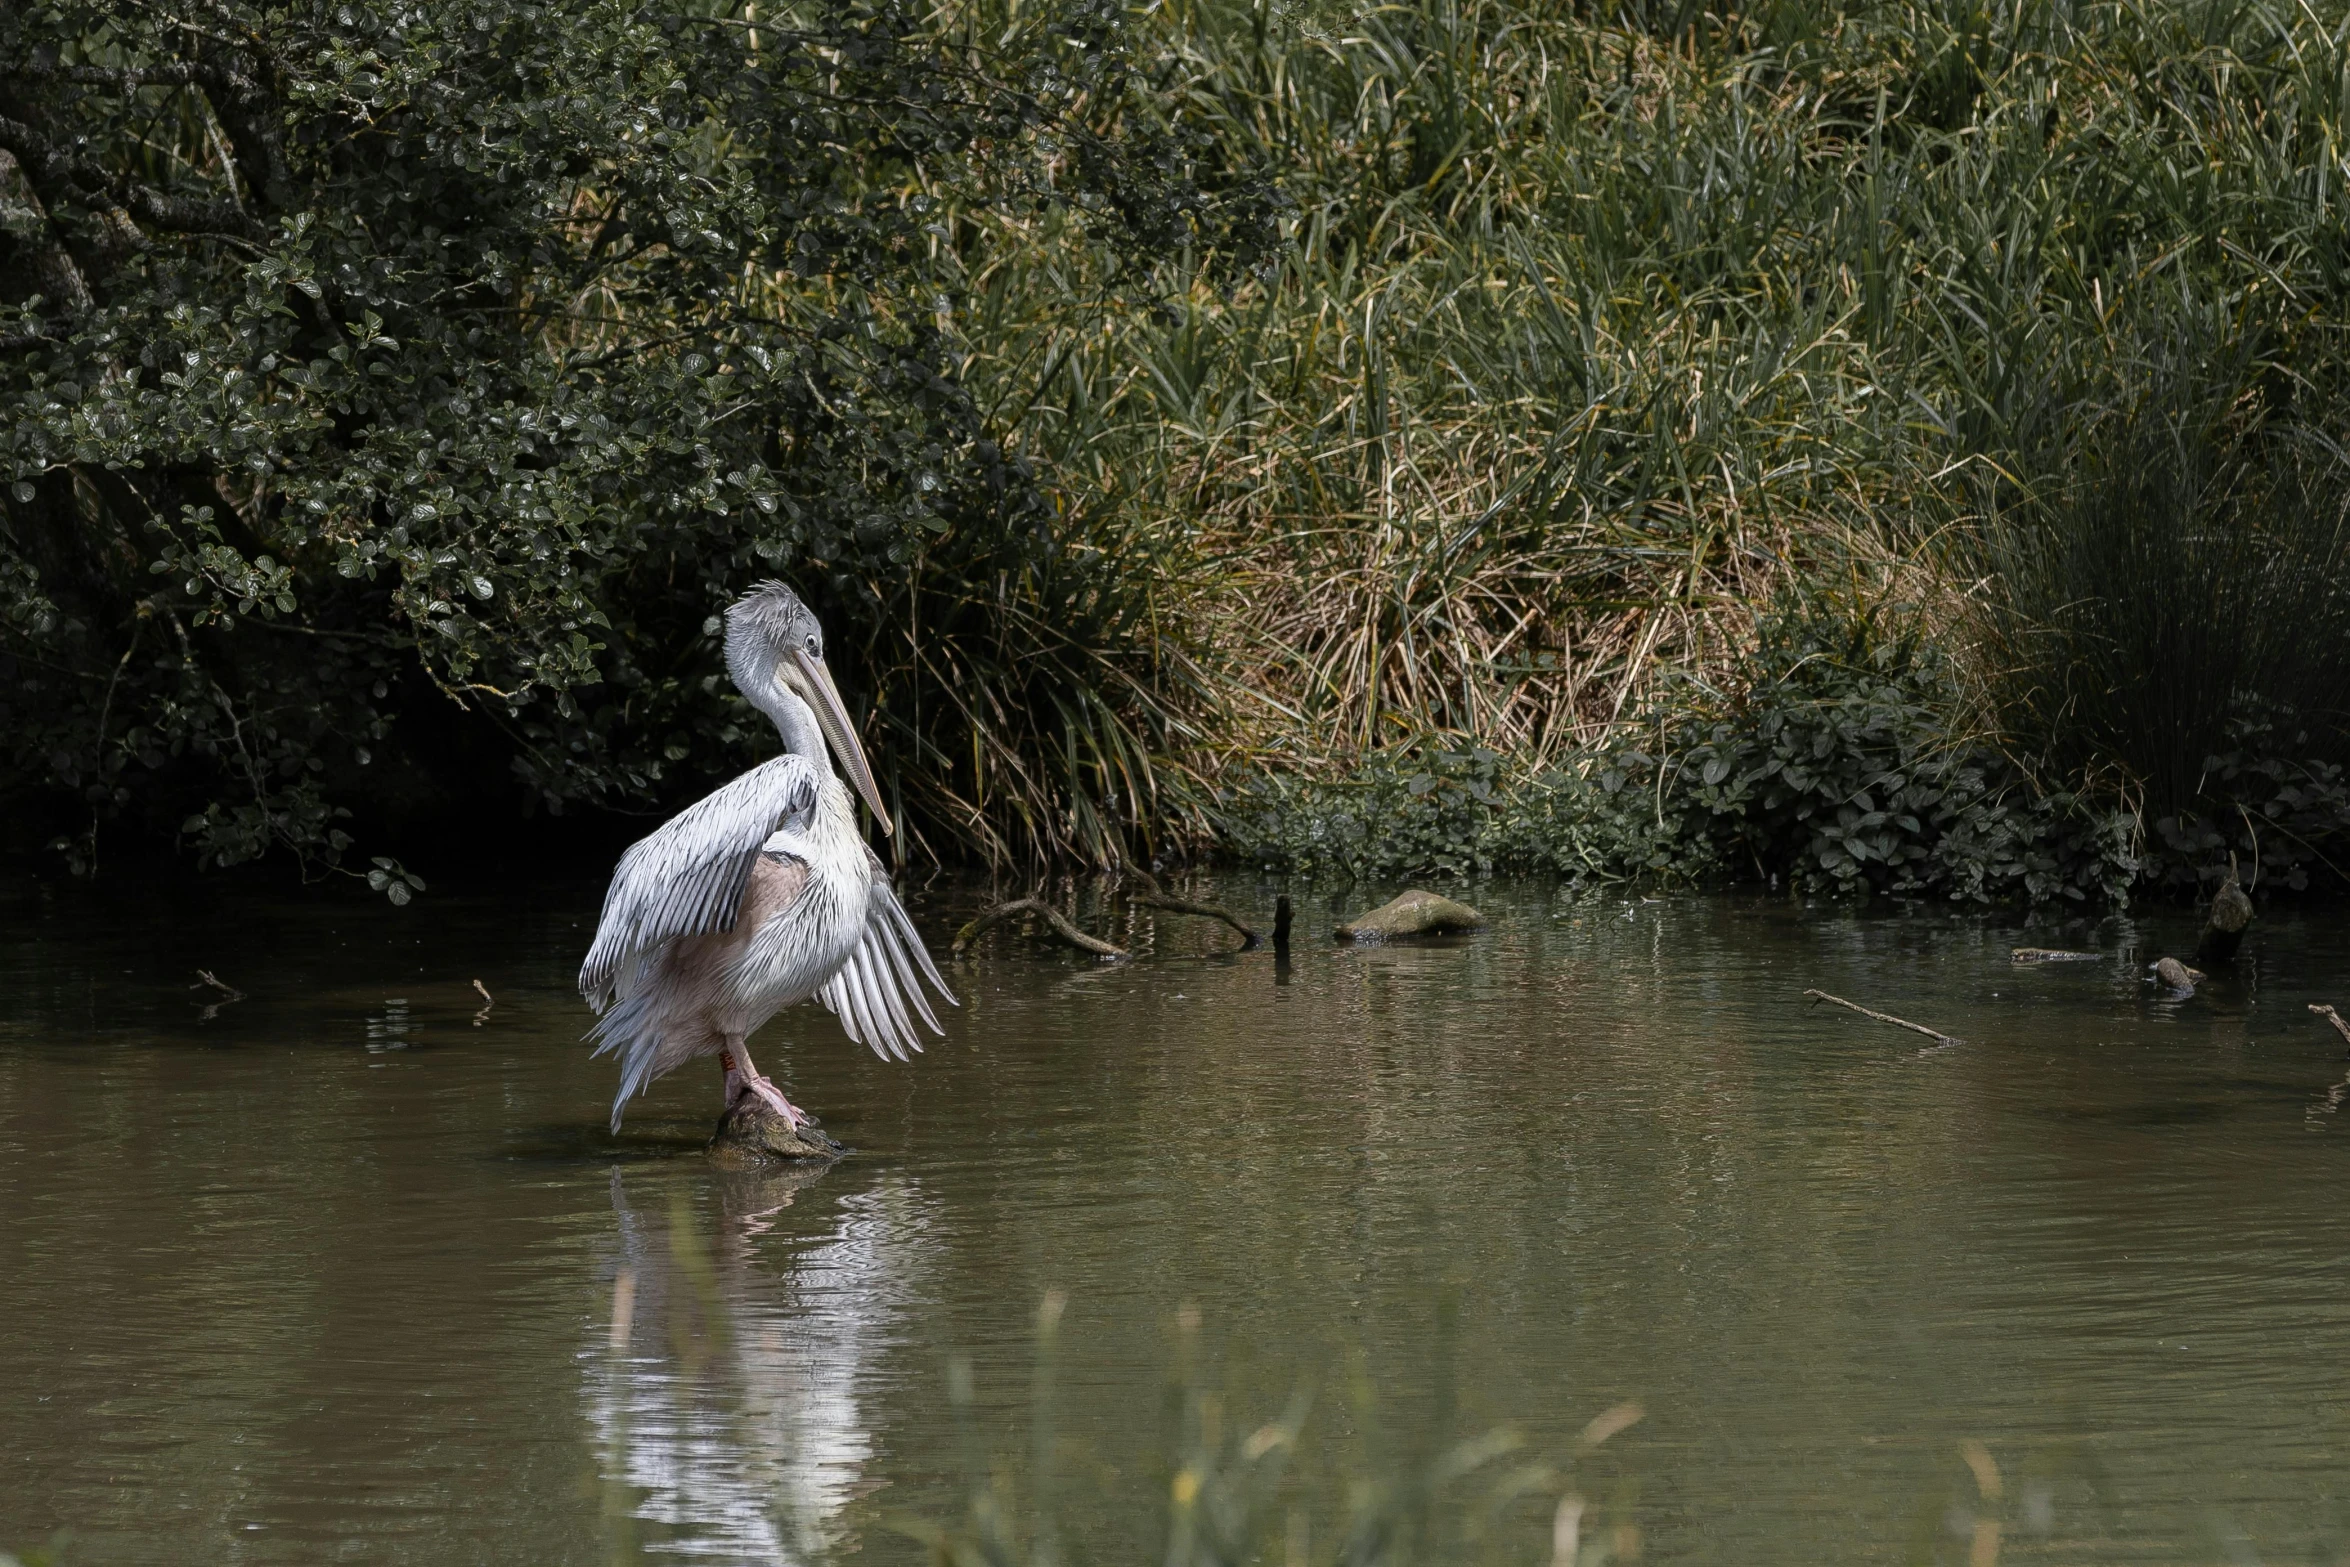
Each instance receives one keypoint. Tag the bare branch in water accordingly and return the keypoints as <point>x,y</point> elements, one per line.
<point>1051,916</point>
<point>1887,1017</point>
<point>227,994</point>
<point>1154,896</point>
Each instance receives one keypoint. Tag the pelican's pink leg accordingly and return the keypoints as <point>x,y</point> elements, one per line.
<point>744,1078</point>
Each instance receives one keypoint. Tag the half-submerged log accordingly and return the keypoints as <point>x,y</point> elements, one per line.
<point>1415,913</point>
<point>2178,978</point>
<point>752,1134</point>
<point>2333,1017</point>
<point>2223,927</point>
<point>2052,955</point>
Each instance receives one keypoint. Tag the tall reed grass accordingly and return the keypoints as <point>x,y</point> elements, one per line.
<point>1597,325</point>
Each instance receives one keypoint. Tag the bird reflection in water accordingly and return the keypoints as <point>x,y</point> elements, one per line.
<point>724,1392</point>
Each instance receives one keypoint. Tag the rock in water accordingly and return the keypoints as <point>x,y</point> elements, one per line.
<point>1416,913</point>
<point>752,1134</point>
<point>2223,929</point>
<point>2181,979</point>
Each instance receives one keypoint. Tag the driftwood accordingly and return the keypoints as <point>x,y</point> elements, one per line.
<point>2052,955</point>
<point>2181,979</point>
<point>1886,1017</point>
<point>2223,928</point>
<point>1414,913</point>
<point>488,1003</point>
<point>1154,896</point>
<point>2333,1017</point>
<point>1052,917</point>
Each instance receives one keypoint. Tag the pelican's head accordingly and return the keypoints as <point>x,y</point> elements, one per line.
<point>775,652</point>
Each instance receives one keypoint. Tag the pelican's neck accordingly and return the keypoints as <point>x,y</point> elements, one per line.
<point>793,718</point>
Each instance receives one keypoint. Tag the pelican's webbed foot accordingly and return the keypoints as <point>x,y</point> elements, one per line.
<point>743,1078</point>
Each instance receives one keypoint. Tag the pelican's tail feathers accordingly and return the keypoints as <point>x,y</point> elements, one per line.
<point>630,1030</point>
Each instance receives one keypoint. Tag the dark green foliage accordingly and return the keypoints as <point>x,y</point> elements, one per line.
<point>2183,559</point>
<point>1836,771</point>
<point>390,394</point>
<point>2281,810</point>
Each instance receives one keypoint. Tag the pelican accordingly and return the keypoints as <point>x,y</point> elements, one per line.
<point>761,894</point>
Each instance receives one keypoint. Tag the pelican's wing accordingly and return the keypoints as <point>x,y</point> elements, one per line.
<point>687,877</point>
<point>873,991</point>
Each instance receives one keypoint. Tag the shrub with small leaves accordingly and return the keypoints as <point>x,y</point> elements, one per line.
<point>1840,769</point>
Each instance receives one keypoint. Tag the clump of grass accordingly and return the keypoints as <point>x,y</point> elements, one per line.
<point>1236,1490</point>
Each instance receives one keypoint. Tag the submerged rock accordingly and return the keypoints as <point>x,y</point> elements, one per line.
<point>1415,913</point>
<point>752,1134</point>
<point>2181,979</point>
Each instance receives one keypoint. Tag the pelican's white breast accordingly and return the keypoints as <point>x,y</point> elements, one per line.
<point>800,946</point>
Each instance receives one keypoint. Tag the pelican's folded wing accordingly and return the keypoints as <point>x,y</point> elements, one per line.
<point>877,993</point>
<point>687,877</point>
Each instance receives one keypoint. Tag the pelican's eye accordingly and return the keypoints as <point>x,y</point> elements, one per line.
<point>814,651</point>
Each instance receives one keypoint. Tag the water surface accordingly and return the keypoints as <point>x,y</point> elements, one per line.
<point>350,1270</point>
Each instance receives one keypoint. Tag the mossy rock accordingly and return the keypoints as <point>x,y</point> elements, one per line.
<point>1415,913</point>
<point>752,1135</point>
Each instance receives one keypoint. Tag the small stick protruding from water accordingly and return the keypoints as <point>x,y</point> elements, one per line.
<point>1043,910</point>
<point>487,1001</point>
<point>1886,1017</point>
<point>2333,1017</point>
<point>228,992</point>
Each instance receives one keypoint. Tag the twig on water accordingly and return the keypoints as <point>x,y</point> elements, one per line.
<point>1053,917</point>
<point>487,1001</point>
<point>1155,896</point>
<point>1887,1017</point>
<point>2333,1017</point>
<point>228,993</point>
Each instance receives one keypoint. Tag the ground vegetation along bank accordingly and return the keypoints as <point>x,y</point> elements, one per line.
<point>1285,428</point>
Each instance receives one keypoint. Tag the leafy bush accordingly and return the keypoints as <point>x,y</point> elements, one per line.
<point>390,394</point>
<point>2282,813</point>
<point>1838,770</point>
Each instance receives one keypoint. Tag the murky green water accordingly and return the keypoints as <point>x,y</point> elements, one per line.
<point>346,1272</point>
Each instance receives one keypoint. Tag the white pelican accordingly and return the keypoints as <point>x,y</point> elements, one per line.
<point>761,894</point>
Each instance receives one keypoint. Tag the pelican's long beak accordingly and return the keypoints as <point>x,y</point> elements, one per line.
<point>833,718</point>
